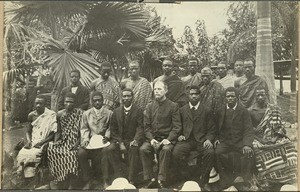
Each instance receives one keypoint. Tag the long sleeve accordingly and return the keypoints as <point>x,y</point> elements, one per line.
<point>114,128</point>
<point>139,134</point>
<point>147,122</point>
<point>84,130</point>
<point>85,99</point>
<point>248,136</point>
<point>176,124</point>
<point>211,127</point>
<point>107,132</point>
<point>61,98</point>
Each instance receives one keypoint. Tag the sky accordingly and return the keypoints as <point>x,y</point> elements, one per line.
<point>177,16</point>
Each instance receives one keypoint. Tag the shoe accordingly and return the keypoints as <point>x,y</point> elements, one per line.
<point>151,184</point>
<point>105,184</point>
<point>161,184</point>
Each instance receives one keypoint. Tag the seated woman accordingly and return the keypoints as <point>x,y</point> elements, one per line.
<point>62,154</point>
<point>276,155</point>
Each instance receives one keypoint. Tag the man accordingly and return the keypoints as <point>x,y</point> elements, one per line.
<point>235,135</point>
<point>226,80</point>
<point>211,92</point>
<point>81,92</point>
<point>108,86</point>
<point>162,125</point>
<point>140,86</point>
<point>194,78</point>
<point>247,89</point>
<point>239,73</point>
<point>62,154</point>
<point>197,134</point>
<point>127,134</point>
<point>176,88</point>
<point>95,121</point>
<point>41,131</point>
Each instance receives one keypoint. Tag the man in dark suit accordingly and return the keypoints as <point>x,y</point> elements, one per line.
<point>235,135</point>
<point>126,134</point>
<point>197,134</point>
<point>82,93</point>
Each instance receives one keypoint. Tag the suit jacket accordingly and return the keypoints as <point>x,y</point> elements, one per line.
<point>82,97</point>
<point>95,125</point>
<point>242,129</point>
<point>204,127</point>
<point>134,124</point>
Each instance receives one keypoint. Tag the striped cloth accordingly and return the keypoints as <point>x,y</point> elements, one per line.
<point>62,161</point>
<point>142,92</point>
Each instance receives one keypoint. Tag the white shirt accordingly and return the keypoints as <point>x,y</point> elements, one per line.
<point>233,107</point>
<point>127,109</point>
<point>98,111</point>
<point>74,89</point>
<point>196,106</point>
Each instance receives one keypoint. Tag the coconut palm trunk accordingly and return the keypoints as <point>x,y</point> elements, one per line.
<point>264,53</point>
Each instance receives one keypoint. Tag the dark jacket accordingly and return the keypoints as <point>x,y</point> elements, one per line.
<point>242,129</point>
<point>82,97</point>
<point>134,126</point>
<point>201,125</point>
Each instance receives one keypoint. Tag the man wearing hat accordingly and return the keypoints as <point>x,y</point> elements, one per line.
<point>108,86</point>
<point>127,134</point>
<point>95,122</point>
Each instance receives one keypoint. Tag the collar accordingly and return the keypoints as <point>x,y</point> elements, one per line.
<point>98,111</point>
<point>161,102</point>
<point>232,108</point>
<point>127,108</point>
<point>196,106</point>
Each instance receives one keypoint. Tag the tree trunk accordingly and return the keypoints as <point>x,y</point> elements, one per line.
<point>264,54</point>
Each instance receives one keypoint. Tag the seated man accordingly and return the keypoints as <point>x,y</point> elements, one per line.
<point>41,131</point>
<point>271,144</point>
<point>197,134</point>
<point>95,121</point>
<point>127,134</point>
<point>235,135</point>
<point>162,125</point>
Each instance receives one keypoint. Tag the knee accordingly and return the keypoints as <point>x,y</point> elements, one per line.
<point>144,149</point>
<point>177,153</point>
<point>166,149</point>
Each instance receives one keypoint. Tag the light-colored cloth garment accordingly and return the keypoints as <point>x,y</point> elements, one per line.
<point>110,90</point>
<point>63,160</point>
<point>227,81</point>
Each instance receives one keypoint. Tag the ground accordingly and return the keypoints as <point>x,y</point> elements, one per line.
<point>12,135</point>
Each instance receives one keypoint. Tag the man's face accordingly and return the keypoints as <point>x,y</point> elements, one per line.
<point>105,72</point>
<point>261,96</point>
<point>127,98</point>
<point>222,70</point>
<point>69,103</point>
<point>75,78</point>
<point>167,67</point>
<point>231,98</point>
<point>40,105</point>
<point>134,70</point>
<point>194,96</point>
<point>238,66</point>
<point>206,77</point>
<point>159,90</point>
<point>193,66</point>
<point>248,68</point>
<point>97,101</point>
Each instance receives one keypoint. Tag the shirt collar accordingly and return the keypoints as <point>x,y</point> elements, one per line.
<point>127,108</point>
<point>98,110</point>
<point>233,107</point>
<point>196,106</point>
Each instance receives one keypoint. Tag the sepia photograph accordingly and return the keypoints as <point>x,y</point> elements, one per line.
<point>135,96</point>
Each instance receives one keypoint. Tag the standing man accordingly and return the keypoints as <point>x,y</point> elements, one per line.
<point>81,92</point>
<point>247,89</point>
<point>194,78</point>
<point>162,125</point>
<point>127,134</point>
<point>176,88</point>
<point>235,135</point>
<point>95,121</point>
<point>197,134</point>
<point>108,86</point>
<point>211,92</point>
<point>226,80</point>
<point>239,73</point>
<point>140,86</point>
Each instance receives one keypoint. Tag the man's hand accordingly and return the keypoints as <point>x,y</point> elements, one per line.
<point>38,145</point>
<point>247,151</point>
<point>122,147</point>
<point>217,142</point>
<point>85,144</point>
<point>207,144</point>
<point>134,143</point>
<point>165,142</point>
<point>181,138</point>
<point>28,145</point>
<point>153,142</point>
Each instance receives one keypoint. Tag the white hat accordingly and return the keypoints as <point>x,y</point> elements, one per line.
<point>96,142</point>
<point>231,188</point>
<point>190,186</point>
<point>119,184</point>
<point>288,188</point>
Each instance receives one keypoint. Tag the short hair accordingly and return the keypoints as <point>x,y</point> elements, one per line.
<point>168,59</point>
<point>238,59</point>
<point>75,71</point>
<point>70,95</point>
<point>127,89</point>
<point>41,97</point>
<point>134,62</point>
<point>159,81</point>
<point>193,58</point>
<point>261,88</point>
<point>232,89</point>
<point>250,59</point>
<point>206,69</point>
<point>105,64</point>
<point>96,93</point>
<point>195,87</point>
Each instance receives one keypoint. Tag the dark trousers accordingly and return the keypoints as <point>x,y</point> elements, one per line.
<point>164,158</point>
<point>99,160</point>
<point>133,160</point>
<point>225,166</point>
<point>182,151</point>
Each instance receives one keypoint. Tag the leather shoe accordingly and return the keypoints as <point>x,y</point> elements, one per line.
<point>151,184</point>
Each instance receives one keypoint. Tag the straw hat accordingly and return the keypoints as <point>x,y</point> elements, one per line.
<point>288,188</point>
<point>190,186</point>
<point>96,142</point>
<point>119,184</point>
